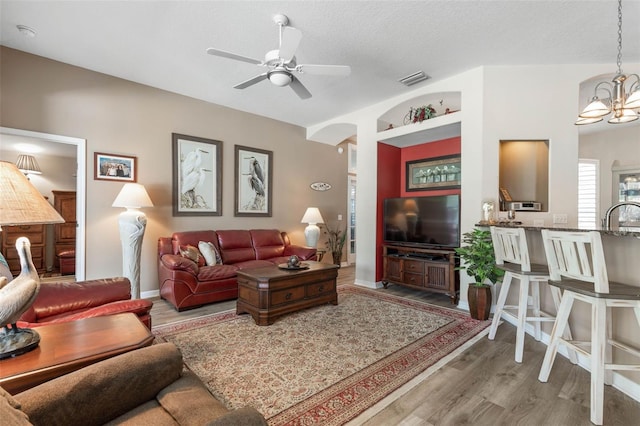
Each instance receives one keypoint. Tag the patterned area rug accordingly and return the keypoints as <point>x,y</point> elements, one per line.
<point>322,365</point>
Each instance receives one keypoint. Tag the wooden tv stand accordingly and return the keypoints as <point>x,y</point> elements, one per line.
<point>422,269</point>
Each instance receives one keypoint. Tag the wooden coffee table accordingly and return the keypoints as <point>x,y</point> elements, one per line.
<point>69,346</point>
<point>269,292</point>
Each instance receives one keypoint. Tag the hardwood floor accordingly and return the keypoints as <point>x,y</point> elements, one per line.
<point>483,385</point>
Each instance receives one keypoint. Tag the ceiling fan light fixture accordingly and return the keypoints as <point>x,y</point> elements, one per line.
<point>280,77</point>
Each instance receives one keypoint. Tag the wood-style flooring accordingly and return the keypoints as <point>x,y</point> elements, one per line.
<point>483,385</point>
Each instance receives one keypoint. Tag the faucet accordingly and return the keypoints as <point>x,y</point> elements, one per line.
<point>607,216</point>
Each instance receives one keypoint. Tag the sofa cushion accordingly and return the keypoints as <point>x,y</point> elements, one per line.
<point>189,402</point>
<point>253,264</point>
<point>10,411</point>
<point>210,253</point>
<point>217,272</point>
<point>235,246</point>
<point>267,243</point>
<point>149,413</point>
<point>192,253</point>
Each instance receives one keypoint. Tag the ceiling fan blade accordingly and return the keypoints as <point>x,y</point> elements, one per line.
<point>251,81</point>
<point>324,69</point>
<point>299,88</point>
<point>289,43</point>
<point>229,55</point>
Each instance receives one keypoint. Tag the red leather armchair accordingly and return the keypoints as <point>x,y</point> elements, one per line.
<point>184,284</point>
<point>69,301</point>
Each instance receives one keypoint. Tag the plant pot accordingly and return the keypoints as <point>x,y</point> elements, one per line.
<point>337,258</point>
<point>479,297</point>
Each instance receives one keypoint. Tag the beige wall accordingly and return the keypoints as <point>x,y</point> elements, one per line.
<point>120,117</point>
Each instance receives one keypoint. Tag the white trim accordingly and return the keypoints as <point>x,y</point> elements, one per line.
<point>150,294</point>
<point>81,187</point>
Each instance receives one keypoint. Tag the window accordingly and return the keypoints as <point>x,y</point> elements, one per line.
<point>588,177</point>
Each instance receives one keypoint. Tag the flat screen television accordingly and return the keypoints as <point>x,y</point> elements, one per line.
<point>428,222</point>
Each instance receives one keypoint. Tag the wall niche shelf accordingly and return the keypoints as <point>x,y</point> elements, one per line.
<point>434,129</point>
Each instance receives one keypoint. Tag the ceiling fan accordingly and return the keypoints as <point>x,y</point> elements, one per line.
<point>281,63</point>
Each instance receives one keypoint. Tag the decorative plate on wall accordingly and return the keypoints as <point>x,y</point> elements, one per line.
<point>320,186</point>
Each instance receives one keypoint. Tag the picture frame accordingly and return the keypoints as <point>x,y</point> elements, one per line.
<point>253,182</point>
<point>434,173</point>
<point>115,167</point>
<point>197,176</point>
<point>504,195</point>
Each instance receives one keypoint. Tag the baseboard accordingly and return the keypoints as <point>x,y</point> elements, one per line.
<point>150,294</point>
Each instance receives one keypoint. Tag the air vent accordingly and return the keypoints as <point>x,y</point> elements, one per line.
<point>414,78</point>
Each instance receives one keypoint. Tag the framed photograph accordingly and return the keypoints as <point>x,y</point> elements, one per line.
<point>115,167</point>
<point>434,173</point>
<point>504,195</point>
<point>253,170</point>
<point>197,176</point>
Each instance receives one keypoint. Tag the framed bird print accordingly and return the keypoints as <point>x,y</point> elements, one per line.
<point>197,176</point>
<point>253,169</point>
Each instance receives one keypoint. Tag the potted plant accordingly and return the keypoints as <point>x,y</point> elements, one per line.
<point>335,242</point>
<point>479,261</point>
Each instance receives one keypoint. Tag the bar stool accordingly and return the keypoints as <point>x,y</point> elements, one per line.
<point>512,256</point>
<point>577,266</point>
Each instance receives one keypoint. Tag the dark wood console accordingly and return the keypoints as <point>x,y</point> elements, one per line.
<point>422,269</point>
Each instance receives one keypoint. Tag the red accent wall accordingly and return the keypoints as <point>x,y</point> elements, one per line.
<point>392,178</point>
<point>389,180</point>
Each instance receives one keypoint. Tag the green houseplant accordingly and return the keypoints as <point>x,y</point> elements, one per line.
<point>336,238</point>
<point>478,260</point>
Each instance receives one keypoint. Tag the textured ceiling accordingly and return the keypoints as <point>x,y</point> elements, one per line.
<point>163,43</point>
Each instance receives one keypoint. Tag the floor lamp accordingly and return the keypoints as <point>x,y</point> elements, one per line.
<point>20,204</point>
<point>132,223</point>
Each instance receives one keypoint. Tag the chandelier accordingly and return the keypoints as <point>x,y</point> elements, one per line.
<point>619,103</point>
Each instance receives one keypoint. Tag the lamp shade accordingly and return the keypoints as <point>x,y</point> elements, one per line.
<point>20,201</point>
<point>27,164</point>
<point>312,215</point>
<point>132,195</point>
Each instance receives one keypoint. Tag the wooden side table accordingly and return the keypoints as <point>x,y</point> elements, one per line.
<point>69,346</point>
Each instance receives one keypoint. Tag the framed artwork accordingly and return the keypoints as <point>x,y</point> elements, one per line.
<point>115,167</point>
<point>504,195</point>
<point>253,171</point>
<point>434,173</point>
<point>197,176</point>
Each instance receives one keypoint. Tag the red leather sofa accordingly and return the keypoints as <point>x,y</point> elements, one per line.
<point>185,284</point>
<point>69,301</point>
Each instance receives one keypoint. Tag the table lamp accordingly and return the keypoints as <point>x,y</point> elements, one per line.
<point>311,233</point>
<point>20,204</point>
<point>132,224</point>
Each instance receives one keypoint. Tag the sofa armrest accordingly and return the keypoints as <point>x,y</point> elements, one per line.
<point>100,392</point>
<point>304,253</point>
<point>176,262</point>
<point>60,297</point>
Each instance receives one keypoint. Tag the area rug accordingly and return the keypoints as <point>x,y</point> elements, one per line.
<point>322,365</point>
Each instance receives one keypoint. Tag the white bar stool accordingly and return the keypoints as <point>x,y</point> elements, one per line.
<point>512,256</point>
<point>577,266</point>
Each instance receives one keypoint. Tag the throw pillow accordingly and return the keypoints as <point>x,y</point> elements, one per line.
<point>210,253</point>
<point>190,252</point>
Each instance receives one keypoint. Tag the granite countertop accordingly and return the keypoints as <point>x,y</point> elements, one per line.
<point>623,232</point>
